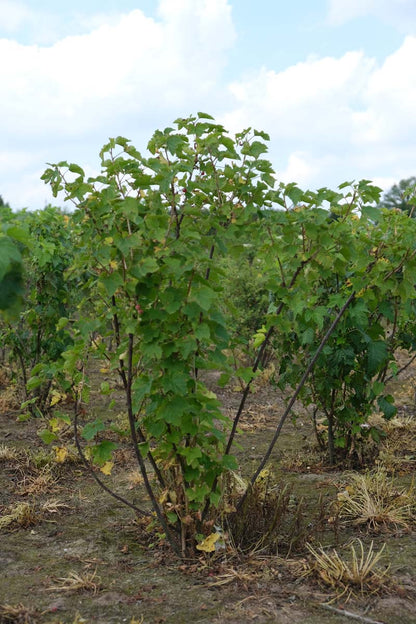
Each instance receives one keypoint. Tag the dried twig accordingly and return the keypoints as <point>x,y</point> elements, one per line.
<point>354,616</point>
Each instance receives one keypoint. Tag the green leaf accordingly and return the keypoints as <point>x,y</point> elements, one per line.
<point>254,149</point>
<point>386,405</point>
<point>105,388</point>
<point>47,436</point>
<point>378,387</point>
<point>112,282</point>
<point>103,452</point>
<point>144,448</point>
<point>76,169</point>
<point>202,332</point>
<point>90,430</point>
<point>171,411</point>
<point>62,323</point>
<point>34,382</point>
<point>11,288</point>
<point>140,389</point>
<point>192,454</point>
<point>174,142</point>
<point>8,254</point>
<point>294,193</point>
<point>308,336</point>
<point>371,212</point>
<point>204,116</point>
<point>229,462</point>
<point>262,135</point>
<point>245,373</point>
<point>18,234</point>
<point>377,356</point>
<point>203,296</point>
<point>144,267</point>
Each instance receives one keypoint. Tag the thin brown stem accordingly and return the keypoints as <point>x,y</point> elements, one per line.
<point>140,512</point>
<point>139,457</point>
<point>295,395</point>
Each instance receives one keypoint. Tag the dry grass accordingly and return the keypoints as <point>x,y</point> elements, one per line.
<point>134,479</point>
<point>9,400</point>
<point>398,450</point>
<point>359,574</point>
<point>373,499</point>
<point>40,483</point>
<point>74,582</point>
<point>53,506</point>
<point>21,515</point>
<point>24,515</point>
<point>9,453</point>
<point>272,519</point>
<point>78,619</point>
<point>16,614</point>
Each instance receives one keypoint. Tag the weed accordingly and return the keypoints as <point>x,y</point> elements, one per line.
<point>8,453</point>
<point>43,482</point>
<point>17,614</point>
<point>22,515</point>
<point>373,499</point>
<point>359,574</point>
<point>41,458</point>
<point>53,506</point>
<point>398,449</point>
<point>75,582</point>
<point>134,479</point>
<point>271,519</point>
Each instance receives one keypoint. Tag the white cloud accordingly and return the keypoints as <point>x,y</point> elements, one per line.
<point>13,15</point>
<point>333,119</point>
<point>398,13</point>
<point>122,74</point>
<point>300,169</point>
<point>330,119</point>
<point>308,100</point>
<point>134,64</point>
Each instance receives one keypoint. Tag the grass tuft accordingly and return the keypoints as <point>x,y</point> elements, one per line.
<point>8,453</point>
<point>16,614</point>
<point>373,499</point>
<point>359,574</point>
<point>75,582</point>
<point>21,515</point>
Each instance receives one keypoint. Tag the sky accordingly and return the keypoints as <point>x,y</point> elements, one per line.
<point>333,82</point>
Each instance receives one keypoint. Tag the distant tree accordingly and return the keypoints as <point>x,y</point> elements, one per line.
<point>402,196</point>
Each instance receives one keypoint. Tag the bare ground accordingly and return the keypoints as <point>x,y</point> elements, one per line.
<point>82,558</point>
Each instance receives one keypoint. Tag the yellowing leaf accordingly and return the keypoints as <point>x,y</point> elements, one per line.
<point>107,467</point>
<point>113,264</point>
<point>229,508</point>
<point>56,397</point>
<point>55,424</point>
<point>61,453</point>
<point>208,544</point>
